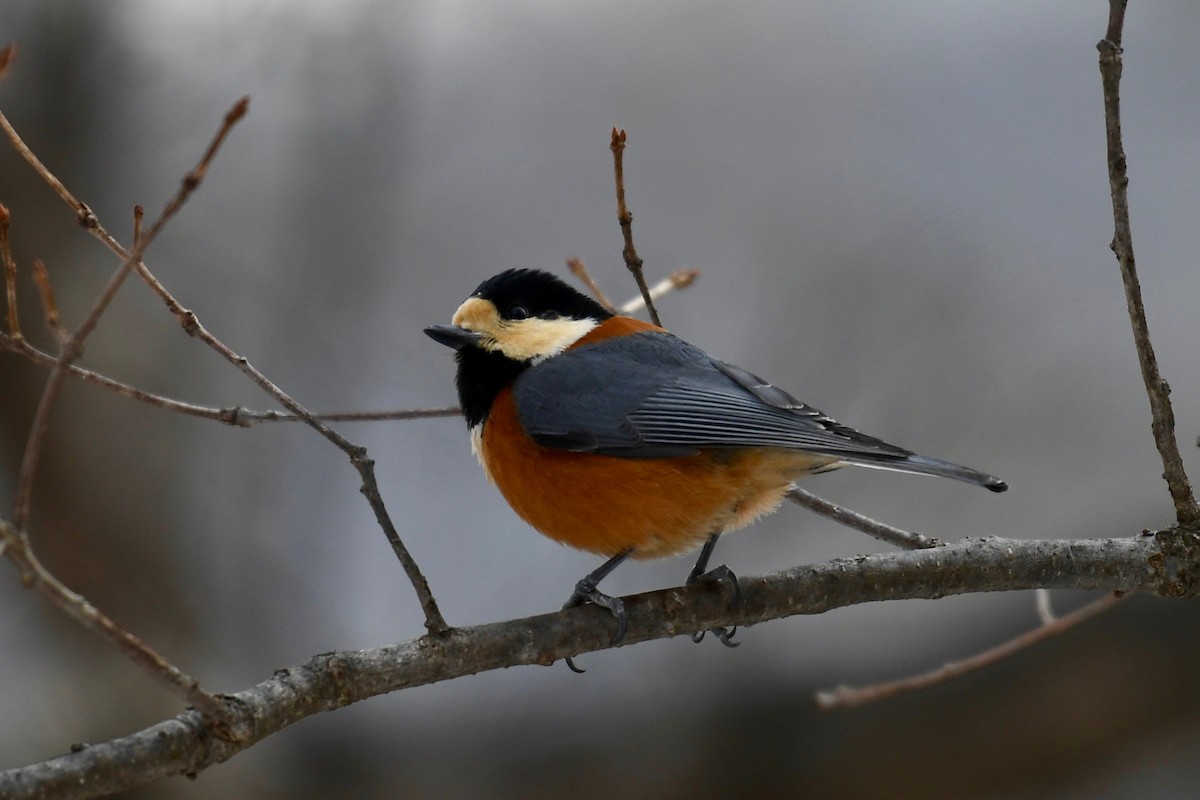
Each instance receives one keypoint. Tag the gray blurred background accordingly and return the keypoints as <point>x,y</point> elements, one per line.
<point>901,213</point>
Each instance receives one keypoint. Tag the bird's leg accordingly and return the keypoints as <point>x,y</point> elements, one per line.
<point>721,574</point>
<point>586,592</point>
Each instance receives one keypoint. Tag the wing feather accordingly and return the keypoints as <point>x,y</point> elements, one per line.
<point>653,395</point>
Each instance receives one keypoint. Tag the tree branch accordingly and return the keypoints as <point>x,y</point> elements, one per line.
<point>74,346</point>
<point>334,680</point>
<point>1162,417</point>
<point>434,621</point>
<point>13,536</point>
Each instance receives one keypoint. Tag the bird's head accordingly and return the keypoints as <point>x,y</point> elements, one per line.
<point>524,315</point>
<point>513,321</point>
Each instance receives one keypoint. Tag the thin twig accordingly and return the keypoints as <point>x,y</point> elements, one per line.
<point>580,271</point>
<point>679,279</point>
<point>83,214</point>
<point>39,428</point>
<point>10,276</point>
<point>1162,416</point>
<point>15,546</point>
<point>632,260</point>
<point>434,621</point>
<point>18,548</point>
<point>41,277</point>
<point>230,415</point>
<point>849,697</point>
<point>907,540</point>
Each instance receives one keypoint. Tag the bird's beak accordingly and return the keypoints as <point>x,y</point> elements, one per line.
<point>453,336</point>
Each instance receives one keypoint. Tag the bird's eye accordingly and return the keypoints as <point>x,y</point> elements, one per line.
<point>518,312</point>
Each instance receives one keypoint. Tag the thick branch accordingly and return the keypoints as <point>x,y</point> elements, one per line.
<point>1162,417</point>
<point>334,680</point>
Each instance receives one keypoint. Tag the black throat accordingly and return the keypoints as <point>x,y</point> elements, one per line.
<point>481,376</point>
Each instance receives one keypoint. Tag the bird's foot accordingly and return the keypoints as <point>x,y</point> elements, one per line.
<point>725,576</point>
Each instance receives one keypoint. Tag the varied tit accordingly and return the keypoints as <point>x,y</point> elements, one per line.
<point>611,435</point>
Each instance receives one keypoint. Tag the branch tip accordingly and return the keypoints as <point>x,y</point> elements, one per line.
<point>683,278</point>
<point>8,54</point>
<point>580,271</point>
<point>41,277</point>
<point>632,261</point>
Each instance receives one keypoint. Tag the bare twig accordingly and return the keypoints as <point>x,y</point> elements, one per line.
<point>434,621</point>
<point>679,279</point>
<point>632,260</point>
<point>880,530</point>
<point>138,213</point>
<point>10,276</point>
<point>849,697</point>
<point>231,415</point>
<point>74,346</point>
<point>1162,416</point>
<point>18,548</point>
<point>580,271</point>
<point>41,277</point>
<point>335,680</point>
<point>15,546</point>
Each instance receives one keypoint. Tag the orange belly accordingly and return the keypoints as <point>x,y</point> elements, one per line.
<point>657,506</point>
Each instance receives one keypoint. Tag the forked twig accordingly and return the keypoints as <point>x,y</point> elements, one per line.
<point>74,346</point>
<point>679,279</point>
<point>1162,416</point>
<point>434,621</point>
<point>16,543</point>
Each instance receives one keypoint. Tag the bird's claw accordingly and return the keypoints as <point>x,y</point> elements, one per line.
<point>723,575</point>
<point>586,592</point>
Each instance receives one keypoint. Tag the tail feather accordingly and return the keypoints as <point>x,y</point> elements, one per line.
<point>923,465</point>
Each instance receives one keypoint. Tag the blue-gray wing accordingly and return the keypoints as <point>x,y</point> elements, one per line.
<point>652,395</point>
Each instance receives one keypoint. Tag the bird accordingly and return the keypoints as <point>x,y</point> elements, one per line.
<point>614,436</point>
